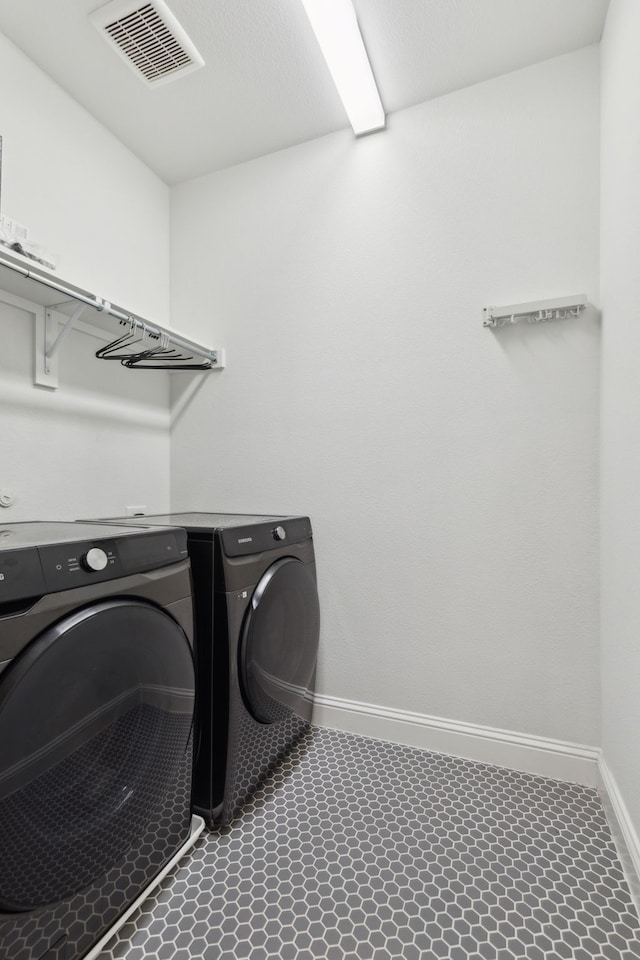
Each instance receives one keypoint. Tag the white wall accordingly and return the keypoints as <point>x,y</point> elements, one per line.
<point>98,444</point>
<point>81,193</point>
<point>620,516</point>
<point>101,442</point>
<point>449,471</point>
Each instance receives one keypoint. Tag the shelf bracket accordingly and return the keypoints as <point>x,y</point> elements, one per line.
<point>49,324</point>
<point>48,340</point>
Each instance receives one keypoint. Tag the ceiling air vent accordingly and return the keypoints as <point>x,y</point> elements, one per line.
<point>149,38</point>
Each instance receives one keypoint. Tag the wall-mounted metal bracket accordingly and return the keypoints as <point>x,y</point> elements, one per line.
<point>49,351</point>
<point>52,326</point>
<point>48,339</point>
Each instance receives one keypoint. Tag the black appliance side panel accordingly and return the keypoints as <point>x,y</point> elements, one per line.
<point>212,683</point>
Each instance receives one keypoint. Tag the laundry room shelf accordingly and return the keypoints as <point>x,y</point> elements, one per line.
<point>537,311</point>
<point>57,302</point>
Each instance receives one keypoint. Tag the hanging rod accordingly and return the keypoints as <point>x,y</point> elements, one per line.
<point>537,311</point>
<point>104,306</point>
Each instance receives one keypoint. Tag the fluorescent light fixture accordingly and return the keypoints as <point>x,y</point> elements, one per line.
<point>336,28</point>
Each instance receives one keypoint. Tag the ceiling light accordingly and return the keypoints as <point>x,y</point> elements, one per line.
<point>336,28</point>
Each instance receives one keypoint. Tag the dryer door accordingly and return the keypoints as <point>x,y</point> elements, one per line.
<point>279,644</point>
<point>95,719</point>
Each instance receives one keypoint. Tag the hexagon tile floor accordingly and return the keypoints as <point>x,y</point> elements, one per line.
<point>357,849</point>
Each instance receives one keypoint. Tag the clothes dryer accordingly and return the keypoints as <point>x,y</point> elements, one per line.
<point>257,629</point>
<point>96,710</point>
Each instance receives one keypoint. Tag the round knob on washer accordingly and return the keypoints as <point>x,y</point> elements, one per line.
<point>279,533</point>
<point>95,559</point>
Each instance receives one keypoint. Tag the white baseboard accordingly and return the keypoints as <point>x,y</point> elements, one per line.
<point>622,828</point>
<point>541,756</point>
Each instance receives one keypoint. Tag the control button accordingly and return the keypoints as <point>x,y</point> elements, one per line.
<point>95,559</point>
<point>279,533</point>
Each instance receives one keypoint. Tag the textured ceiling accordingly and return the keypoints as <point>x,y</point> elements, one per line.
<point>265,85</point>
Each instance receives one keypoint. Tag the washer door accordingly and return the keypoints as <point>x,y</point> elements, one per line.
<point>279,644</point>
<point>95,718</point>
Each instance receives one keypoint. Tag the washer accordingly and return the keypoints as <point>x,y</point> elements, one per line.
<point>257,629</point>
<point>97,696</point>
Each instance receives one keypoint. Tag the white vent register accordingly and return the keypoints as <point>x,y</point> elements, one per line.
<point>148,38</point>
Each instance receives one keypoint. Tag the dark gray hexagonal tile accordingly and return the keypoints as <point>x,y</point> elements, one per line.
<point>356,849</point>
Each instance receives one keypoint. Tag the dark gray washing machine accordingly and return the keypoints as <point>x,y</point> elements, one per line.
<point>97,694</point>
<point>257,629</point>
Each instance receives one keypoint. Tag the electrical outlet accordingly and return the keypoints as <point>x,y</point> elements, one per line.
<point>135,511</point>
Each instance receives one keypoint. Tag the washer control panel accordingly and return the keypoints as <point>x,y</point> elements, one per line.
<point>75,564</point>
<point>37,557</point>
